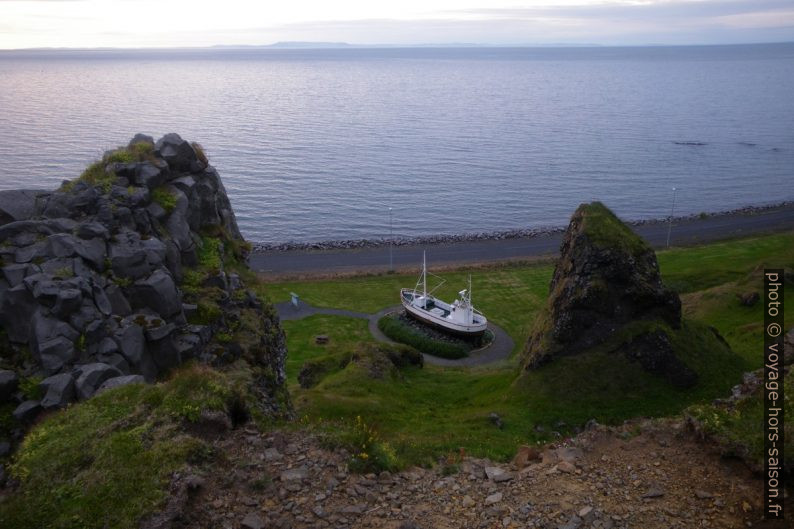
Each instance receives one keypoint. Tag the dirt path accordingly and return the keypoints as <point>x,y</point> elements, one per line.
<point>644,475</point>
<point>499,349</point>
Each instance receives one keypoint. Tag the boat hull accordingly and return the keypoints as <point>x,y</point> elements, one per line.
<point>471,330</point>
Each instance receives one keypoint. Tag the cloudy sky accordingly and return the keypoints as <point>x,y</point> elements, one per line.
<point>152,23</point>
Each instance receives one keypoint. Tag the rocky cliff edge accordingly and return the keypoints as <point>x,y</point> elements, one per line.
<point>124,273</point>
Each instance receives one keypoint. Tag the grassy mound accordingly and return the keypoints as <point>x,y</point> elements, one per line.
<point>107,462</point>
<point>380,360</point>
<point>399,331</point>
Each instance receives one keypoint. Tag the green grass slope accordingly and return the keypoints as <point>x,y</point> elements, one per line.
<point>432,411</point>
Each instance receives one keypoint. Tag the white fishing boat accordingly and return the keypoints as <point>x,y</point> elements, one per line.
<point>459,317</point>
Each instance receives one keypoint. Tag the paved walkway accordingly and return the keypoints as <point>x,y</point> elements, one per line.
<point>499,349</point>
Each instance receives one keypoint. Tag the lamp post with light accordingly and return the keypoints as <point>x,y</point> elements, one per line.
<point>670,223</point>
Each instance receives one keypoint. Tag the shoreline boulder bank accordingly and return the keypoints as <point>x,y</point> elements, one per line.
<point>124,273</point>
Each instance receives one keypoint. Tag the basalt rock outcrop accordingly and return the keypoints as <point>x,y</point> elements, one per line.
<point>607,292</point>
<point>123,274</point>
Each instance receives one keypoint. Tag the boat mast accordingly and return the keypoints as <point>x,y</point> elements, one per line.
<point>424,278</point>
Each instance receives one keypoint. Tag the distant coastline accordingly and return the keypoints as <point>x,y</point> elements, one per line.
<point>347,244</point>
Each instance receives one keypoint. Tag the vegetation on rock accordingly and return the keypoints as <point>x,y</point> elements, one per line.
<point>607,285</point>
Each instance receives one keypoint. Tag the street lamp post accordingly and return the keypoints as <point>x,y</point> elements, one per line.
<point>670,223</point>
<point>391,242</point>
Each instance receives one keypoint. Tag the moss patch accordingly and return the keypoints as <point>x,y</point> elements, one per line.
<point>107,462</point>
<point>164,198</point>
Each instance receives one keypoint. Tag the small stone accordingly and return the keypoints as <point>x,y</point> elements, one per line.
<point>492,472</point>
<point>524,455</point>
<point>584,511</point>
<point>467,501</point>
<point>496,420</point>
<point>654,492</point>
<point>294,474</point>
<point>493,498</point>
<point>574,523</point>
<point>565,466</point>
<point>503,477</point>
<point>272,454</point>
<point>252,521</point>
<point>703,495</point>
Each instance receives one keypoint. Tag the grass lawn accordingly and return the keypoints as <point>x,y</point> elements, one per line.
<point>425,413</point>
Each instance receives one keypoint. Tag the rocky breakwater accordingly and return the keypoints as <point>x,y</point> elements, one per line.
<point>607,293</point>
<point>123,274</point>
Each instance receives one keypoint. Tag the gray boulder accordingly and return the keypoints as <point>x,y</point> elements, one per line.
<point>92,376</point>
<point>177,222</point>
<point>27,254</point>
<point>157,292</point>
<point>56,353</point>
<point>177,152</point>
<point>128,259</point>
<point>67,301</point>
<point>66,245</point>
<point>141,138</point>
<point>107,347</point>
<point>9,382</point>
<point>17,306</point>
<point>45,328</point>
<point>117,382</point>
<point>27,411</point>
<point>118,302</point>
<point>149,175</point>
<point>19,204</point>
<point>15,273</point>
<point>115,360</point>
<point>101,300</point>
<point>92,230</point>
<point>131,343</point>
<point>58,391</point>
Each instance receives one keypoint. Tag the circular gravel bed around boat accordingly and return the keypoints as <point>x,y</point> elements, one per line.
<point>400,327</point>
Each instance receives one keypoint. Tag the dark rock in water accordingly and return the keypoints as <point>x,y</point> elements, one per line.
<point>92,376</point>
<point>607,278</point>
<point>58,391</point>
<point>9,382</point>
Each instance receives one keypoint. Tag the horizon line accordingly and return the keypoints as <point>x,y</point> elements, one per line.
<point>320,45</point>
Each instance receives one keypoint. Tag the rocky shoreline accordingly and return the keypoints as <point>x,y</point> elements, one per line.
<point>521,233</point>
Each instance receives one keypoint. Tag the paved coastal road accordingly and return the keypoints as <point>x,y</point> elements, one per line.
<point>684,232</point>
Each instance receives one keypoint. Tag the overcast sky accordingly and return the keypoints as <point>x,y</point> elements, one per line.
<point>148,23</point>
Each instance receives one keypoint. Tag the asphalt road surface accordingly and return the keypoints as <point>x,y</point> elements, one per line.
<point>684,232</point>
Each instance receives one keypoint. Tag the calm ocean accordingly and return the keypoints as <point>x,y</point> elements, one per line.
<point>318,144</point>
